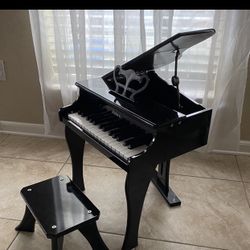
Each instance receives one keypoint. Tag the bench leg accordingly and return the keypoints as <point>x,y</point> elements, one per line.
<point>91,233</point>
<point>28,222</point>
<point>57,243</point>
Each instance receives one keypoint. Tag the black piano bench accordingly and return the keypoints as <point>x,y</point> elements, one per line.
<point>60,207</point>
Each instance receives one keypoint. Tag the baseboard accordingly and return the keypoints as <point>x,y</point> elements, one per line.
<point>21,128</point>
<point>244,149</point>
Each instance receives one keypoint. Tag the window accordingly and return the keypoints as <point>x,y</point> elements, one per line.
<point>85,42</point>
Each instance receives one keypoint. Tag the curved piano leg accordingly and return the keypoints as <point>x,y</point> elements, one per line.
<point>76,148</point>
<point>136,186</point>
<point>28,222</point>
<point>91,233</point>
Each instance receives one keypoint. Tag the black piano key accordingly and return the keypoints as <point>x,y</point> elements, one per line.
<point>122,137</point>
<point>101,115</point>
<point>84,112</point>
<point>95,118</point>
<point>132,131</point>
<point>128,140</point>
<point>134,138</point>
<point>117,133</point>
<point>125,130</point>
<point>114,130</point>
<point>125,125</point>
<point>103,119</point>
<point>142,140</point>
<point>97,114</point>
<point>104,123</point>
<point>112,125</point>
<point>121,130</point>
<point>94,111</point>
<point>107,123</point>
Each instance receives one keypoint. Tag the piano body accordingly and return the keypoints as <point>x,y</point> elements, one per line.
<point>139,121</point>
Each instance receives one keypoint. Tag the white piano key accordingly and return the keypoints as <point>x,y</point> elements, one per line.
<point>104,137</point>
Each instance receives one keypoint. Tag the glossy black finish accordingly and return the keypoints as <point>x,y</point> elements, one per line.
<point>57,243</point>
<point>76,149</point>
<point>136,185</point>
<point>164,53</point>
<point>171,129</point>
<point>161,181</point>
<point>146,110</point>
<point>60,207</point>
<point>90,232</point>
<point>58,202</point>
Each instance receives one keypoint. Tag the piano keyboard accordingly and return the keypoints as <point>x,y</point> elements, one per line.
<point>116,133</point>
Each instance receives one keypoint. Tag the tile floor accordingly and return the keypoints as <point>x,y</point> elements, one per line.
<point>214,190</point>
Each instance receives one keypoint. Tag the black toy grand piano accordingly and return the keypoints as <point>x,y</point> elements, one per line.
<point>139,121</point>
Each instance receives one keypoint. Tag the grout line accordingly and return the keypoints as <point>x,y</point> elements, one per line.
<point>117,168</point>
<point>117,234</point>
<point>3,218</point>
<point>165,241</point>
<point>205,177</point>
<point>182,243</point>
<point>98,166</point>
<point>63,165</point>
<point>21,158</point>
<point>7,135</point>
<point>12,241</point>
<point>194,176</point>
<point>243,183</point>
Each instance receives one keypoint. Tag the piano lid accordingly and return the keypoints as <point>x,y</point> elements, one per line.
<point>164,53</point>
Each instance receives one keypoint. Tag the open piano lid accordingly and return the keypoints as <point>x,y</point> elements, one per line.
<point>136,70</point>
<point>160,55</point>
<point>164,53</point>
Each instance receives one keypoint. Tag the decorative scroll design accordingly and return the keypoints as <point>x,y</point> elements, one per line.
<point>135,82</point>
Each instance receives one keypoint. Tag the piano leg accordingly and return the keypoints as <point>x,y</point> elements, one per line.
<point>136,185</point>
<point>161,181</point>
<point>91,233</point>
<point>76,148</point>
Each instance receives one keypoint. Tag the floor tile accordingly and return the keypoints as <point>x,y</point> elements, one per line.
<point>16,174</point>
<point>247,187</point>
<point>244,165</point>
<point>105,188</point>
<point>146,244</point>
<point>94,157</point>
<point>214,213</point>
<point>34,148</point>
<point>2,137</point>
<point>28,241</point>
<point>74,240</point>
<point>7,232</point>
<point>206,165</point>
